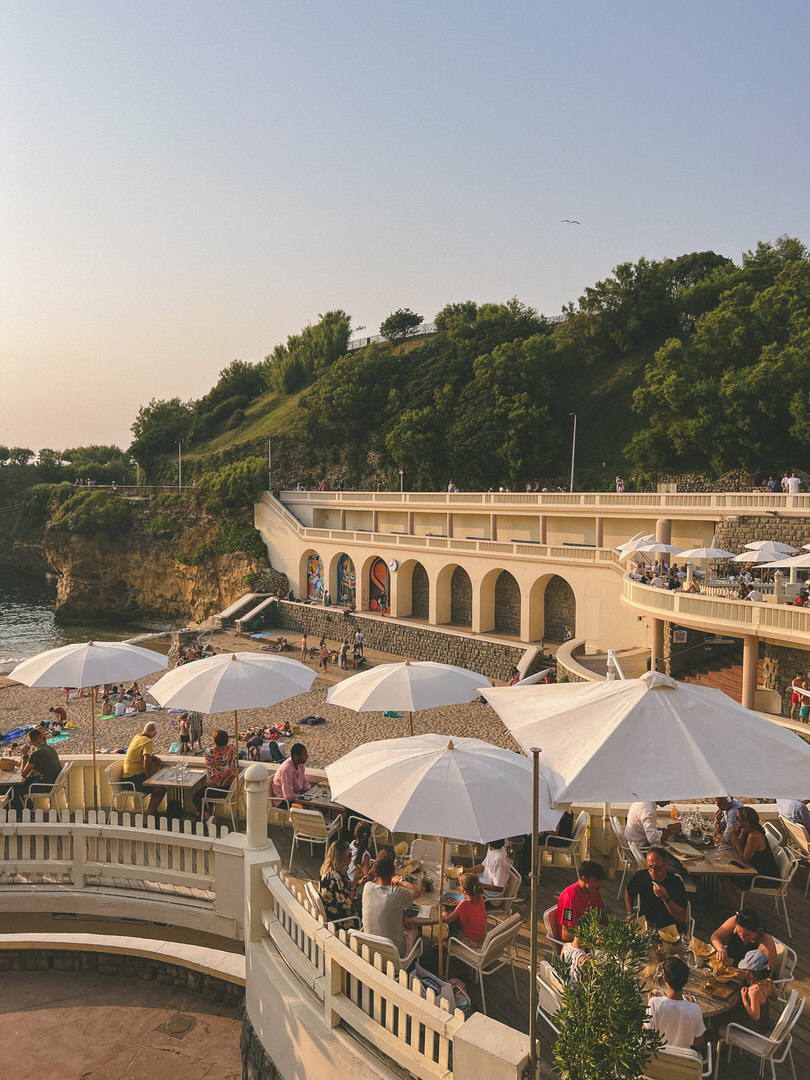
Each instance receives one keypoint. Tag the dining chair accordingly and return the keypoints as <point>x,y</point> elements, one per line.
<point>312,826</point>
<point>549,990</point>
<point>798,842</point>
<point>553,928</point>
<point>786,959</point>
<point>776,887</point>
<point>427,851</point>
<point>625,857</point>
<point>765,1047</point>
<point>497,950</point>
<point>678,1063</point>
<point>385,949</point>
<point>123,789</point>
<point>501,907</point>
<point>226,803</point>
<point>51,792</point>
<point>314,897</point>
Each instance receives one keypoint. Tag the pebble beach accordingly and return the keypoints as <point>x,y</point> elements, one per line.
<point>342,732</point>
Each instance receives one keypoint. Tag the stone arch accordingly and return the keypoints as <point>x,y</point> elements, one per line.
<point>342,579</point>
<point>310,579</point>
<point>379,585</point>
<point>507,604</point>
<point>412,590</point>
<point>461,597</point>
<point>560,608</point>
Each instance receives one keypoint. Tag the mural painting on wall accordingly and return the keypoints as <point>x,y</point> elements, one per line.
<point>314,577</point>
<point>379,586</point>
<point>346,581</point>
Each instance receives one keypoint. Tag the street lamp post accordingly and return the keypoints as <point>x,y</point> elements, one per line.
<point>401,480</point>
<point>180,467</point>
<point>269,467</point>
<point>573,449</point>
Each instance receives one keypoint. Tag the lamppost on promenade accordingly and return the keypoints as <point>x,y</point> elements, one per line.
<point>573,449</point>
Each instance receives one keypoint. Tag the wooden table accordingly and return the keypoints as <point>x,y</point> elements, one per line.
<point>9,779</point>
<point>319,797</point>
<point>710,860</point>
<point>166,777</point>
<point>697,986</point>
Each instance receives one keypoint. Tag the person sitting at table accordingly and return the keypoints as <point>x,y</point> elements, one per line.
<point>794,810</point>
<point>470,913</point>
<point>384,904</point>
<point>359,854</point>
<point>291,779</point>
<point>334,887</point>
<point>751,844</point>
<point>40,765</point>
<point>140,762</point>
<point>642,825</point>
<point>580,897</point>
<point>220,771</point>
<point>678,1019</point>
<point>725,817</point>
<point>661,893</point>
<point>738,935</point>
<point>574,956</point>
<point>756,995</point>
<point>494,872</point>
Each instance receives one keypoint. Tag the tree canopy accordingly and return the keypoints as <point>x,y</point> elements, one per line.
<point>399,323</point>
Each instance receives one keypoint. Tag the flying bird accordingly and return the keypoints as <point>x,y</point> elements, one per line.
<point>569,221</point>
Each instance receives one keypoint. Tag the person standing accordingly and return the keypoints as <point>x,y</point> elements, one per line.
<point>195,730</point>
<point>304,650</point>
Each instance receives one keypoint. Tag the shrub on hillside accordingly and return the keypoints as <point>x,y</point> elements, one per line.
<point>233,487</point>
<point>233,538</point>
<point>35,510</point>
<point>89,512</point>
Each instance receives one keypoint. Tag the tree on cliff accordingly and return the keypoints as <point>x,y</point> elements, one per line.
<point>307,355</point>
<point>158,428</point>
<point>399,323</point>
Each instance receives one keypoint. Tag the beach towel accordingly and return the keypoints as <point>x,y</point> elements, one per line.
<point>394,715</point>
<point>108,716</point>
<point>58,738</point>
<point>15,733</point>
<point>313,721</point>
<point>264,633</point>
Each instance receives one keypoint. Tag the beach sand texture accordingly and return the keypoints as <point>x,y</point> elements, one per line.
<point>342,732</point>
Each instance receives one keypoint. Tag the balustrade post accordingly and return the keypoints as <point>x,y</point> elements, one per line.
<point>255,780</point>
<point>78,873</point>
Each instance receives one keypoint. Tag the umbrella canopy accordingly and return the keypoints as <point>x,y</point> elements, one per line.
<point>771,545</point>
<point>760,555</point>
<point>801,562</point>
<point>232,681</point>
<point>464,788</point>
<point>658,548</point>
<point>88,664</point>
<point>631,545</point>
<point>649,739</point>
<point>407,687</point>
<point>707,553</point>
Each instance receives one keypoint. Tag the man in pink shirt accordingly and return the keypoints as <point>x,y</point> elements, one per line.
<point>290,780</point>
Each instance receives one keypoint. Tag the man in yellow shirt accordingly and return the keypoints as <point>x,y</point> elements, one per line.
<point>140,763</point>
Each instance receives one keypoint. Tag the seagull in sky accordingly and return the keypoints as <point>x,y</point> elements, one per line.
<point>569,221</point>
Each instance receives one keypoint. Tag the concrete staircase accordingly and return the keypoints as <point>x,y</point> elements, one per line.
<point>724,673</point>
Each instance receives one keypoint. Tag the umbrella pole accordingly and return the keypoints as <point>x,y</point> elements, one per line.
<point>534,914</point>
<point>410,720</point>
<point>441,909</point>
<point>236,739</point>
<point>93,736</point>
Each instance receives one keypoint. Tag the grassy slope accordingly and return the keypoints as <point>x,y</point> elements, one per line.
<point>267,415</point>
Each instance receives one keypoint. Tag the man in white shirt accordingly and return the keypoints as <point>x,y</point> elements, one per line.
<point>642,826</point>
<point>494,872</point>
<point>794,484</point>
<point>755,595</point>
<point>679,1021</point>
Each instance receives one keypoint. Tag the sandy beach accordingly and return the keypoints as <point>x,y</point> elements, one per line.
<point>342,732</point>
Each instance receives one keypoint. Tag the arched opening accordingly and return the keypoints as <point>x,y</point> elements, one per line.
<point>460,598</point>
<point>379,586</point>
<point>560,609</point>
<point>420,592</point>
<point>314,577</point>
<point>346,581</point>
<point>507,604</point>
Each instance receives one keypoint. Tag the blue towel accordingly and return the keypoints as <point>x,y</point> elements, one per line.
<point>394,715</point>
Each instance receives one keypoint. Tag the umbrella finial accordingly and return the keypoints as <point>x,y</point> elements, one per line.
<point>450,745</point>
<point>233,656</point>
<point>407,662</point>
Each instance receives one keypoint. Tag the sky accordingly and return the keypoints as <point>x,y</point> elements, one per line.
<point>187,182</point>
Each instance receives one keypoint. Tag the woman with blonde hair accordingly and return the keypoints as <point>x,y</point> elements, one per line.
<point>334,887</point>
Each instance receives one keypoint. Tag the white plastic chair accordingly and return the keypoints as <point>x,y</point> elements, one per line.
<point>123,789</point>
<point>385,949</point>
<point>427,851</point>
<point>775,887</point>
<point>215,802</point>
<point>553,928</point>
<point>496,951</point>
<point>549,1002</point>
<point>570,847</point>
<point>624,855</point>
<point>765,1047</point>
<point>6,799</point>
<point>679,1063</point>
<point>799,844</point>
<point>51,792</point>
<point>314,897</point>
<point>312,826</point>
<point>786,959</point>
<point>507,898</point>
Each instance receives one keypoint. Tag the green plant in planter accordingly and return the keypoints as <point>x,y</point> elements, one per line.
<point>601,1022</point>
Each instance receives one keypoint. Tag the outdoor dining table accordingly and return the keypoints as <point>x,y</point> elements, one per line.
<point>319,797</point>
<point>703,860</point>
<point>179,781</point>
<point>705,988</point>
<point>11,778</point>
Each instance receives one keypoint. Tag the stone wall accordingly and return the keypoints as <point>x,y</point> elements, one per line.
<point>683,656</point>
<point>560,609</point>
<point>256,1063</point>
<point>491,658</point>
<point>420,593</point>
<point>130,967</point>
<point>734,535</point>
<point>507,604</point>
<point>779,667</point>
<point>460,598</point>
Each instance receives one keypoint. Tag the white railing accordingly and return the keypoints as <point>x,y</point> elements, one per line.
<point>713,612</point>
<point>350,985</point>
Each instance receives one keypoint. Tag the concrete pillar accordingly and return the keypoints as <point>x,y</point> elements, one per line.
<point>375,521</point>
<point>449,528</point>
<point>483,608</point>
<point>657,643</point>
<point>410,523</point>
<point>663,530</point>
<point>255,779</point>
<point>599,532</point>
<point>749,672</point>
<point>543,529</point>
<point>343,519</point>
<point>493,526</point>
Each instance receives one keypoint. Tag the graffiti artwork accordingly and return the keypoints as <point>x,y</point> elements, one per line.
<point>379,587</point>
<point>346,580</point>
<point>314,578</point>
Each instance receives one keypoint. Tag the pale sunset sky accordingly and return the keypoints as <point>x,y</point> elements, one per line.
<point>186,182</point>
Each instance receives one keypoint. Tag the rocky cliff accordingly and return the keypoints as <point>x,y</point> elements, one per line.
<point>126,578</point>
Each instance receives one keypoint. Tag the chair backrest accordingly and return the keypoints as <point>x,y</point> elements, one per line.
<point>549,976</point>
<point>618,831</point>
<point>314,897</point>
<point>674,1063</point>
<point>427,851</point>
<point>60,783</point>
<point>797,836</point>
<point>551,924</point>
<point>638,854</point>
<point>513,884</point>
<point>580,825</point>
<point>308,822</point>
<point>785,864</point>
<point>785,960</point>
<point>381,946</point>
<point>773,835</point>
<point>114,773</point>
<point>6,799</point>
<point>499,938</point>
<point>548,994</point>
<point>787,1017</point>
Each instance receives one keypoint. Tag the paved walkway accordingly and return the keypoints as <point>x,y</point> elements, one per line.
<point>86,1026</point>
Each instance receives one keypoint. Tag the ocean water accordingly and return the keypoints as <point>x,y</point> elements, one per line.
<point>27,624</point>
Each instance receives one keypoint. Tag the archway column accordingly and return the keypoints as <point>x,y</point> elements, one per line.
<point>657,642</point>
<point>749,671</point>
<point>483,607</point>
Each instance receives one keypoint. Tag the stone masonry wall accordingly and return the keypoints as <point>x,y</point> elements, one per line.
<point>734,535</point>
<point>507,604</point>
<point>256,1063</point>
<point>560,608</point>
<point>493,659</point>
<point>460,598</point>
<point>420,593</point>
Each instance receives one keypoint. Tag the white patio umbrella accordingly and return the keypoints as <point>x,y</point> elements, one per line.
<point>464,788</point>
<point>706,553</point>
<point>757,555</point>
<point>658,548</point>
<point>799,562</point>
<point>651,739</point>
<point>771,545</point>
<point>233,681</point>
<point>88,664</point>
<point>631,545</point>
<point>407,687</point>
